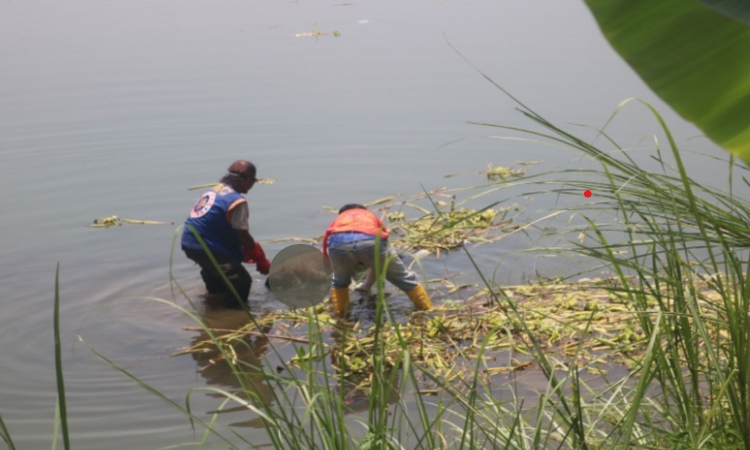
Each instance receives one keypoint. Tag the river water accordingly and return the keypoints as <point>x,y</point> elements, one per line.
<point>116,108</point>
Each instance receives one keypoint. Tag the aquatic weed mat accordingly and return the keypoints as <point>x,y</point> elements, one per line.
<point>436,221</point>
<point>593,324</point>
<point>443,223</point>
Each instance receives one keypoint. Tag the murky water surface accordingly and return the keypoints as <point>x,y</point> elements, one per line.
<point>116,108</point>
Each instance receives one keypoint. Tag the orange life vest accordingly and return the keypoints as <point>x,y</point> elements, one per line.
<point>357,220</point>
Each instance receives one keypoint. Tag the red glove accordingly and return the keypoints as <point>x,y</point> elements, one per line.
<point>257,256</point>
<point>248,255</point>
<point>263,266</point>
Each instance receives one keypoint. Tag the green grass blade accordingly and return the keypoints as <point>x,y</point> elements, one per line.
<point>6,435</point>
<point>58,364</point>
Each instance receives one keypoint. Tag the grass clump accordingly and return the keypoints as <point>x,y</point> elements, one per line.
<point>678,251</point>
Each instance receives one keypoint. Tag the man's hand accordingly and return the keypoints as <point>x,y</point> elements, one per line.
<point>248,255</point>
<point>263,266</point>
<point>256,255</point>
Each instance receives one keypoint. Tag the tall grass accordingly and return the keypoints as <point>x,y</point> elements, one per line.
<point>62,412</point>
<point>684,246</point>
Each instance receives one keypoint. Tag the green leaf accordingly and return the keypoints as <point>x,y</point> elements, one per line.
<point>695,58</point>
<point>61,403</point>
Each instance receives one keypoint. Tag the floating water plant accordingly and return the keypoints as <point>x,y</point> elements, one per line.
<point>590,319</point>
<point>317,33</point>
<point>210,185</point>
<point>448,228</point>
<point>114,221</point>
<point>441,225</point>
<point>501,173</point>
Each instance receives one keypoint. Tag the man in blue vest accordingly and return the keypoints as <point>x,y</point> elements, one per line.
<point>220,220</point>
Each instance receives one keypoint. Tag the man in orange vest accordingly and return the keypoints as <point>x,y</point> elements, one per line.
<point>350,243</point>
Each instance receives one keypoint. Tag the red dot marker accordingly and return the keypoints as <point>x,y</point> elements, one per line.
<point>587,193</point>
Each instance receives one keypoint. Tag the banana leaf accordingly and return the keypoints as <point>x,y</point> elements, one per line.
<point>693,54</point>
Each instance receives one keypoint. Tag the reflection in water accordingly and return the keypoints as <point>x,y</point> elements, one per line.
<point>244,375</point>
<point>356,398</point>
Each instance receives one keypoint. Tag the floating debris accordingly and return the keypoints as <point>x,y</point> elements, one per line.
<point>114,221</point>
<point>293,239</point>
<point>589,323</point>
<point>210,185</point>
<point>502,173</point>
<point>441,225</point>
<point>316,33</point>
<point>447,229</point>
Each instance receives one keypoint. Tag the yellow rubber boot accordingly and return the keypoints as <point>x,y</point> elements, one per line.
<point>340,300</point>
<point>420,298</point>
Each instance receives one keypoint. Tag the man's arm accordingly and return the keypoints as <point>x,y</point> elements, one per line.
<point>251,251</point>
<point>238,216</point>
<point>246,239</point>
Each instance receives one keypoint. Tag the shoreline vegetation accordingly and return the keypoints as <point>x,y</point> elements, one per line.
<point>674,315</point>
<point>589,323</point>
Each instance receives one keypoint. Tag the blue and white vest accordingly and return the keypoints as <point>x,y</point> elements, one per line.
<point>210,218</point>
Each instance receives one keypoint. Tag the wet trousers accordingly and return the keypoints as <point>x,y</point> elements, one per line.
<point>233,269</point>
<point>350,258</point>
